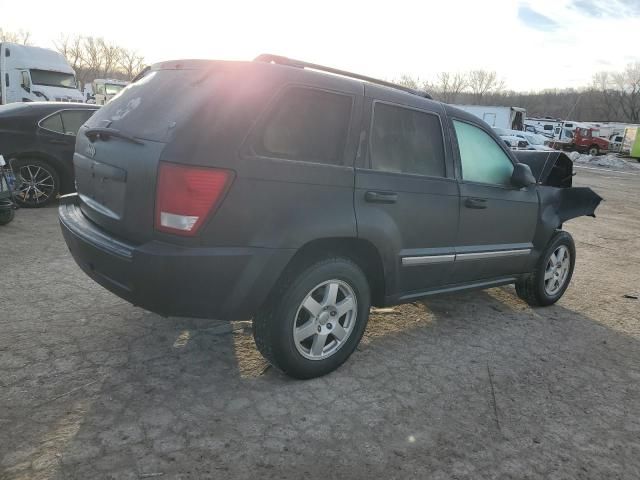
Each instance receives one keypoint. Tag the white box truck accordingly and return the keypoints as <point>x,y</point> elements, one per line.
<point>34,74</point>
<point>509,118</point>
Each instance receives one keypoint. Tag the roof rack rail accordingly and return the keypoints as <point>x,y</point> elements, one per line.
<point>280,60</point>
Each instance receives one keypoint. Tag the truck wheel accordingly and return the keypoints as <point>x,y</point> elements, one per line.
<point>548,282</point>
<point>314,319</point>
<point>594,150</point>
<point>38,182</point>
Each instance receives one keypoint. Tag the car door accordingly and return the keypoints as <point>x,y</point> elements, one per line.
<point>497,220</point>
<point>57,132</point>
<point>406,198</point>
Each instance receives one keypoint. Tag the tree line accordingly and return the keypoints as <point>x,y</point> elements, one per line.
<point>612,96</point>
<point>93,58</point>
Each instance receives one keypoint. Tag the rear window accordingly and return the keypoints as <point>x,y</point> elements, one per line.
<point>155,105</point>
<point>306,125</point>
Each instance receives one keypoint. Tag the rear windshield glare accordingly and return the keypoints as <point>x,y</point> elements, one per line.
<point>154,106</point>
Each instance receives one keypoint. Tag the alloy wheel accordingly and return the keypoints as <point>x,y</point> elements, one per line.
<point>325,319</point>
<point>36,186</point>
<point>557,270</point>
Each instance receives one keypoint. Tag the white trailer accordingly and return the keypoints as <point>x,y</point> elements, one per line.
<point>511,118</point>
<point>30,74</point>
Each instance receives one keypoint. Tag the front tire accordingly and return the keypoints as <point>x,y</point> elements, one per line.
<point>38,182</point>
<point>594,151</point>
<point>315,318</point>
<point>548,282</point>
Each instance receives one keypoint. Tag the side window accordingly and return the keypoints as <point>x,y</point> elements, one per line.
<point>406,141</point>
<point>54,123</point>
<point>307,125</point>
<point>100,89</point>
<point>72,120</point>
<point>483,160</point>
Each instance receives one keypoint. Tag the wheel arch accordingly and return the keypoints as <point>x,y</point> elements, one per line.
<point>359,250</point>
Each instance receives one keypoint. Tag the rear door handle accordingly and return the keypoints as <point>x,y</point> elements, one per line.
<point>475,203</point>
<point>58,142</point>
<point>381,197</point>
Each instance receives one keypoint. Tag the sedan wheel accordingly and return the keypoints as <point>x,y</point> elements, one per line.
<point>37,183</point>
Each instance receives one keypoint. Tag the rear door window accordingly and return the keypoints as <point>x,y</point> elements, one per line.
<point>53,123</point>
<point>406,141</point>
<point>306,125</point>
<point>482,159</point>
<point>72,120</point>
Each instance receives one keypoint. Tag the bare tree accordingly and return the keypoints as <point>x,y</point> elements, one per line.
<point>21,36</point>
<point>408,81</point>
<point>448,86</point>
<point>71,48</point>
<point>131,63</point>
<point>619,93</point>
<point>482,82</point>
<point>93,58</point>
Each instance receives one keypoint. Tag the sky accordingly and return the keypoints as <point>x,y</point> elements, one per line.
<point>532,45</point>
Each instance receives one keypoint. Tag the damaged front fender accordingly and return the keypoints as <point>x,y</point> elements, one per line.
<point>559,201</point>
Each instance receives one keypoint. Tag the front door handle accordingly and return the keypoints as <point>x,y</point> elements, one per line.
<point>381,197</point>
<point>475,203</point>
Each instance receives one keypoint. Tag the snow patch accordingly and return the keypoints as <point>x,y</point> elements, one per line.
<point>607,161</point>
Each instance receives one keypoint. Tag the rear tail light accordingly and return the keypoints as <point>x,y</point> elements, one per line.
<point>185,195</point>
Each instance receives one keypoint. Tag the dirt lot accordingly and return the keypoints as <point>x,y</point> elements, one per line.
<point>471,386</point>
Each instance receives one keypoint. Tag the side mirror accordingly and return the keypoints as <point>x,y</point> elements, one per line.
<point>522,176</point>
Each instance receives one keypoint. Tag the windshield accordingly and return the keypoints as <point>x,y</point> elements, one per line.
<point>53,79</point>
<point>535,139</point>
<point>113,89</point>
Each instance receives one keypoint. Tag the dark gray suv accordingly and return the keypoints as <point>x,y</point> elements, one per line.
<point>300,195</point>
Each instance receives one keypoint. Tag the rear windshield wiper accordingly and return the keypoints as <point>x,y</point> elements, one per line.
<point>106,132</point>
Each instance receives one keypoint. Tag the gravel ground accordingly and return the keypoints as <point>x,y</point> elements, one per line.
<point>471,386</point>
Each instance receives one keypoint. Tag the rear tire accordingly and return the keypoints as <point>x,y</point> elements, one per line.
<point>39,185</point>
<point>548,282</point>
<point>314,318</point>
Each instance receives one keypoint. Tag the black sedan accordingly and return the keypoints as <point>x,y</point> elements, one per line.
<point>38,140</point>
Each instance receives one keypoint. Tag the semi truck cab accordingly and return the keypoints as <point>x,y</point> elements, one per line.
<point>34,74</point>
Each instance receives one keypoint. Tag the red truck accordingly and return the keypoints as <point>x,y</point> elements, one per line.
<point>581,139</point>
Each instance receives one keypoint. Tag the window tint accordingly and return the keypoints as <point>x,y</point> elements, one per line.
<point>482,158</point>
<point>54,122</point>
<point>72,120</point>
<point>407,141</point>
<point>308,125</point>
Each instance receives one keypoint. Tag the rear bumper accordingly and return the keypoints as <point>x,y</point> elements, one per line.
<point>225,283</point>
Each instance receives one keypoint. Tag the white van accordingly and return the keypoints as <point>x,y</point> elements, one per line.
<point>32,74</point>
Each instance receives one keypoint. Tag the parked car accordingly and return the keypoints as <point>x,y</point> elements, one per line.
<point>300,198</point>
<point>515,143</point>
<point>38,140</point>
<point>533,141</point>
